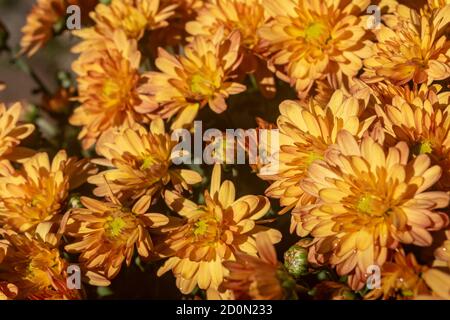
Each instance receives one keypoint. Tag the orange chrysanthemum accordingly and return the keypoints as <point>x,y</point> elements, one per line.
<point>246,16</point>
<point>108,83</point>
<point>106,234</point>
<point>259,278</point>
<point>201,76</point>
<point>211,233</point>
<point>421,118</point>
<point>400,279</point>
<point>306,131</point>
<point>133,17</point>
<point>414,49</point>
<point>140,162</point>
<point>311,40</point>
<point>11,133</point>
<point>32,197</point>
<point>370,201</point>
<point>39,28</point>
<point>32,270</point>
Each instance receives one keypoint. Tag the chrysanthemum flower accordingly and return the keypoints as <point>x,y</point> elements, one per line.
<point>400,279</point>
<point>32,197</point>
<point>259,278</point>
<point>11,133</point>
<point>32,270</point>
<point>415,49</point>
<point>306,131</point>
<point>211,233</point>
<point>39,28</point>
<point>108,88</point>
<point>133,17</point>
<point>2,86</point>
<point>369,202</point>
<point>106,233</point>
<point>141,163</point>
<point>421,118</point>
<point>311,40</point>
<point>203,75</point>
<point>246,16</point>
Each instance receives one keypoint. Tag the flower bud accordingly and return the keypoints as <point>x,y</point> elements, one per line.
<point>296,260</point>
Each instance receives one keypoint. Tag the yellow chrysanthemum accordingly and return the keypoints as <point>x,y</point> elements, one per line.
<point>306,131</point>
<point>32,197</point>
<point>400,279</point>
<point>370,201</point>
<point>108,89</point>
<point>141,163</point>
<point>316,39</point>
<point>246,16</point>
<point>259,278</point>
<point>133,17</point>
<point>32,270</point>
<point>211,233</point>
<point>421,118</point>
<point>415,49</point>
<point>11,133</point>
<point>203,75</point>
<point>106,233</point>
<point>39,28</point>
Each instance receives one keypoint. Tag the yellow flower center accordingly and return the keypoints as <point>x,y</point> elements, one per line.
<point>365,204</point>
<point>311,157</point>
<point>314,30</point>
<point>114,226</point>
<point>148,162</point>
<point>424,147</point>
<point>134,24</point>
<point>202,86</point>
<point>200,228</point>
<point>206,229</point>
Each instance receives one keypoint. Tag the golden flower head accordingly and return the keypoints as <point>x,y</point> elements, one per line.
<point>259,278</point>
<point>414,49</point>
<point>106,233</point>
<point>108,88</point>
<point>32,197</point>
<point>141,163</point>
<point>11,133</point>
<point>311,40</point>
<point>245,16</point>
<point>40,25</point>
<point>306,131</point>
<point>370,201</point>
<point>32,270</point>
<point>400,279</point>
<point>133,17</point>
<point>421,118</point>
<point>212,233</point>
<point>201,76</point>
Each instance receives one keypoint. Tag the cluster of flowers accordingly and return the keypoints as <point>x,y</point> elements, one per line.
<point>363,164</point>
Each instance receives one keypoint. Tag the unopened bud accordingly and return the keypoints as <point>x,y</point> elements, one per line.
<point>296,261</point>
